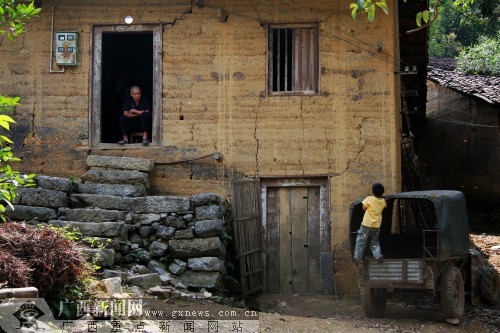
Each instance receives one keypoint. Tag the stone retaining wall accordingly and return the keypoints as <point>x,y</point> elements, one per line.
<point>174,239</point>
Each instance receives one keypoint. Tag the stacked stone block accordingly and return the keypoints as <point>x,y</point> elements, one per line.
<point>176,240</point>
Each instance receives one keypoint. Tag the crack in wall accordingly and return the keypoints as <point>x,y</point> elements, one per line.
<point>361,149</point>
<point>189,11</point>
<point>257,143</point>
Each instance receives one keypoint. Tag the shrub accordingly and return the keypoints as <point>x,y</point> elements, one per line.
<point>48,260</point>
<point>481,58</point>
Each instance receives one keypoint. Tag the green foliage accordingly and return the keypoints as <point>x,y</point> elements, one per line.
<point>467,22</point>
<point>486,8</point>
<point>462,23</point>
<point>75,181</point>
<point>482,58</point>
<point>65,301</point>
<point>65,304</point>
<point>225,237</point>
<point>368,7</point>
<point>13,15</point>
<point>444,46</point>
<point>10,180</point>
<point>423,17</point>
<point>65,232</point>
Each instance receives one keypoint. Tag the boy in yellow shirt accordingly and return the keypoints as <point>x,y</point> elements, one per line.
<point>369,230</point>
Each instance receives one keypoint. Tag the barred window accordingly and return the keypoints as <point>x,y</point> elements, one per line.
<point>293,59</point>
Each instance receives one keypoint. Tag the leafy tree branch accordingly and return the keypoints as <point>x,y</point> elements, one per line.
<point>423,19</point>
<point>13,15</point>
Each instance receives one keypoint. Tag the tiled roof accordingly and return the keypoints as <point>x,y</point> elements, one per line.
<point>481,86</point>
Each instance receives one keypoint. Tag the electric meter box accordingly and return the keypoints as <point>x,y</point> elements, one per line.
<point>67,48</point>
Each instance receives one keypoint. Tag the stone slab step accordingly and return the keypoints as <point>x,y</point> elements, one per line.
<point>101,229</point>
<point>31,196</point>
<point>54,183</point>
<point>30,213</point>
<point>115,177</point>
<point>91,215</point>
<point>150,204</point>
<point>26,292</point>
<point>127,190</point>
<point>100,201</point>
<point>127,163</point>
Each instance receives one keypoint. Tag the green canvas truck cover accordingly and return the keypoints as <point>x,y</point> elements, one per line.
<point>451,214</point>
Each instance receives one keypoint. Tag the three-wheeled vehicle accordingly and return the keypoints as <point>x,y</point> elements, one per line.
<point>425,245</point>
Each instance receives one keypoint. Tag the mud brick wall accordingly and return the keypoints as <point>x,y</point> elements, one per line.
<point>214,100</point>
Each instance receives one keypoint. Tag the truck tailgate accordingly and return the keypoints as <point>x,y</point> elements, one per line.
<point>395,271</point>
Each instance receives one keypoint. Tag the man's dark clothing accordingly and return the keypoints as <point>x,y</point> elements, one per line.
<point>136,124</point>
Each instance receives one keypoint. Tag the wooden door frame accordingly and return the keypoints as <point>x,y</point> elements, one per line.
<point>96,81</point>
<point>326,256</point>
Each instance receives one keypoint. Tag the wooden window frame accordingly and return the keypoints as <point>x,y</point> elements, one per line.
<point>300,81</point>
<point>96,83</point>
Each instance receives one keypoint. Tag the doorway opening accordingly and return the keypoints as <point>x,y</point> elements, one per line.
<point>127,60</point>
<point>124,56</point>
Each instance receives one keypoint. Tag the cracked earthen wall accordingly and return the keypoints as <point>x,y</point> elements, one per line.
<point>214,100</point>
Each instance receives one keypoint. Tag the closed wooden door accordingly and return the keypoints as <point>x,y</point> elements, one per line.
<point>293,240</point>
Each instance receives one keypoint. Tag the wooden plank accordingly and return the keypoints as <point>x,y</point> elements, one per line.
<point>157,108</point>
<point>277,53</point>
<point>272,241</point>
<point>95,118</point>
<point>313,227</point>
<point>298,212</point>
<point>285,236</point>
<point>316,60</point>
<point>296,60</point>
<point>285,55</point>
<point>310,59</point>
<point>304,55</point>
<point>270,57</point>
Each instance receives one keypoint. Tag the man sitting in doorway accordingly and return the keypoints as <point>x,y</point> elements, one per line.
<point>136,116</point>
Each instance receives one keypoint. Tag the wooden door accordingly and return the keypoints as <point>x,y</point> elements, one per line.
<point>293,240</point>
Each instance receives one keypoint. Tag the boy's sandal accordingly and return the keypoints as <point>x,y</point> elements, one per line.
<point>122,142</point>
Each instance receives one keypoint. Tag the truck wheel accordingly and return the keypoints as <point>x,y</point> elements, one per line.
<point>489,284</point>
<point>373,302</point>
<point>452,293</point>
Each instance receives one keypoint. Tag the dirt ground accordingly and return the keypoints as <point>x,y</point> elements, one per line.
<point>321,313</point>
<point>325,313</point>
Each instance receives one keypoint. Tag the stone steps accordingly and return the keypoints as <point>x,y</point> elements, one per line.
<point>91,215</point>
<point>92,229</point>
<point>120,222</point>
<point>115,176</point>
<point>149,204</point>
<point>125,163</point>
<point>118,190</point>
